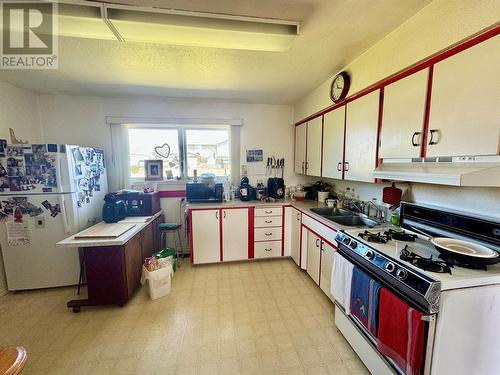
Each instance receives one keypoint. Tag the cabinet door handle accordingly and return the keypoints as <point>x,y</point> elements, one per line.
<point>224,214</point>
<point>321,246</point>
<point>268,233</point>
<point>298,217</point>
<point>216,214</point>
<point>317,242</point>
<point>307,166</point>
<point>415,144</point>
<point>303,163</point>
<point>268,249</point>
<point>268,221</point>
<point>432,141</point>
<point>339,166</point>
<point>346,166</point>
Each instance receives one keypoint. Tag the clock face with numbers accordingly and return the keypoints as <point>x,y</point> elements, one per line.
<point>339,87</point>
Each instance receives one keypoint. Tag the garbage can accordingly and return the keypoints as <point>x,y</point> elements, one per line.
<point>159,281</point>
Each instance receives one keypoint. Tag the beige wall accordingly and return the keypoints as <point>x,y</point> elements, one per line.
<point>437,26</point>
<point>81,120</point>
<point>19,110</point>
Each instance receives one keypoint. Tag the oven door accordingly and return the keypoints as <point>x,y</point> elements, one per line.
<point>365,343</point>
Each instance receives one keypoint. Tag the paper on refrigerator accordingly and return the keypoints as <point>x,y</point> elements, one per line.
<point>18,234</point>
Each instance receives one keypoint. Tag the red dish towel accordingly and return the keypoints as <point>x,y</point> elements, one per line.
<point>401,333</point>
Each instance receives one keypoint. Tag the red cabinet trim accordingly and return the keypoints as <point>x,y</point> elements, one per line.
<point>190,223</point>
<point>283,231</point>
<point>220,235</point>
<point>427,113</point>
<point>251,226</point>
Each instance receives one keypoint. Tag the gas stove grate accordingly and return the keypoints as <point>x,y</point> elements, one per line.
<point>374,237</point>
<point>427,264</point>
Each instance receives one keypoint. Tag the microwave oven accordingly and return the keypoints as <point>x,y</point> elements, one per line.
<point>202,192</point>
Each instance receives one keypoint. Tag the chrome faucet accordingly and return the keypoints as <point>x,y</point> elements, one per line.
<point>366,209</point>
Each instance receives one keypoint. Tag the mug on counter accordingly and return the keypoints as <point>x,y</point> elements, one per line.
<point>323,196</point>
<point>330,202</point>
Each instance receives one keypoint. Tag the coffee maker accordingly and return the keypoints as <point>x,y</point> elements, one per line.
<point>247,192</point>
<point>276,188</point>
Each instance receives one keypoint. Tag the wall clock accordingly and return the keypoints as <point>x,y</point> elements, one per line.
<point>340,87</point>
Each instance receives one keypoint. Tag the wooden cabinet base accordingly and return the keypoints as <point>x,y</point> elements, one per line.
<point>113,273</point>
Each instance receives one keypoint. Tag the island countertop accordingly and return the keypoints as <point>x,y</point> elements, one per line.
<point>140,222</point>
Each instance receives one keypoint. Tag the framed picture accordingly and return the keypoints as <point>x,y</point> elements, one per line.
<point>154,170</point>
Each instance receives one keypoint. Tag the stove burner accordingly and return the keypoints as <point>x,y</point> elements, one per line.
<point>427,264</point>
<point>454,262</point>
<point>374,237</point>
<point>400,236</point>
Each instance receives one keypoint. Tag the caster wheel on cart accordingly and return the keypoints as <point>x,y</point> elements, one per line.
<point>76,310</point>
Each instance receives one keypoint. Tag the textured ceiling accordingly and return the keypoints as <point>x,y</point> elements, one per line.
<point>332,33</point>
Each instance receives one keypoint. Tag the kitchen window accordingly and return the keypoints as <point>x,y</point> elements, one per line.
<point>182,149</point>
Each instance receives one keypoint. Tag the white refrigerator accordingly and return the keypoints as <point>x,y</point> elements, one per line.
<point>47,193</point>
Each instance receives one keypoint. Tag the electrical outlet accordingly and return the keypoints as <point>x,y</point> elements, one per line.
<point>40,222</point>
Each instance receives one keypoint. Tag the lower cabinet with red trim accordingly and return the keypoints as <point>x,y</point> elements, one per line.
<point>291,238</point>
<point>219,235</point>
<point>317,249</point>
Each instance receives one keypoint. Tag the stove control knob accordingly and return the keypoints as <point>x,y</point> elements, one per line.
<point>390,267</point>
<point>401,274</point>
<point>353,245</point>
<point>370,254</point>
<point>346,240</point>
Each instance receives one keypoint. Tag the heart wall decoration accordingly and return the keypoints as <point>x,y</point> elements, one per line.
<point>163,150</point>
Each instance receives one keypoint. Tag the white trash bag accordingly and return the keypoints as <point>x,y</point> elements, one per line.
<point>159,281</point>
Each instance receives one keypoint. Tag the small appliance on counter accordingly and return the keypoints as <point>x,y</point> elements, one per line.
<point>140,203</point>
<point>318,186</point>
<point>203,192</point>
<point>247,192</point>
<point>276,188</point>
<point>114,208</point>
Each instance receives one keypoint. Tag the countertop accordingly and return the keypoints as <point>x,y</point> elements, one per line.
<point>140,223</point>
<point>302,206</point>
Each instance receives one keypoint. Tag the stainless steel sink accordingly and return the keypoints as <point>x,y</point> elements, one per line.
<point>331,211</point>
<point>344,217</point>
<point>354,221</point>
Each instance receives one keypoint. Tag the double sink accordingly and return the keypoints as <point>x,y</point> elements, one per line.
<point>344,217</point>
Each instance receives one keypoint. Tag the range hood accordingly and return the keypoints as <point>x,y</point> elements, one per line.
<point>481,171</point>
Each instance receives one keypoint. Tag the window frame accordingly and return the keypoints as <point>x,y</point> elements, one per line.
<point>181,136</point>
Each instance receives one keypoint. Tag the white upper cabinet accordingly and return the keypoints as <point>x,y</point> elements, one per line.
<point>314,140</point>
<point>403,117</point>
<point>361,137</point>
<point>300,148</point>
<point>333,143</point>
<point>465,103</point>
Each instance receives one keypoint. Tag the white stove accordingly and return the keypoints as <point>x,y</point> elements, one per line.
<point>461,307</point>
<point>460,277</point>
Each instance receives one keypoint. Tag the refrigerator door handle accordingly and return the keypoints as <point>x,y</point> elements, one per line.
<point>62,202</point>
<point>59,173</point>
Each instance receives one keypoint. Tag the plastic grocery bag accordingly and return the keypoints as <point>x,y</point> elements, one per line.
<point>159,281</point>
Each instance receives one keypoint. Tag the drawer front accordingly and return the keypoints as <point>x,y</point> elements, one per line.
<point>269,211</point>
<point>267,249</point>
<point>267,234</point>
<point>271,221</point>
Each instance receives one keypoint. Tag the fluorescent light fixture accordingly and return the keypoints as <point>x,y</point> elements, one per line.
<point>83,19</point>
<point>176,27</point>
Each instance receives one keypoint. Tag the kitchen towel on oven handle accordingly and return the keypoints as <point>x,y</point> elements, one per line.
<point>341,280</point>
<point>364,299</point>
<point>401,333</point>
